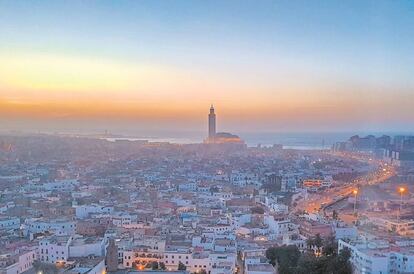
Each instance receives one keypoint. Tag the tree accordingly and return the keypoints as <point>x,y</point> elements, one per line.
<point>290,260</point>
<point>340,264</point>
<point>316,242</point>
<point>309,263</point>
<point>286,257</point>
<point>181,266</point>
<point>162,266</point>
<point>309,243</point>
<point>330,247</point>
<point>154,265</point>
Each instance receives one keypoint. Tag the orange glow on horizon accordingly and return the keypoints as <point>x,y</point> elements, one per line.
<point>47,86</point>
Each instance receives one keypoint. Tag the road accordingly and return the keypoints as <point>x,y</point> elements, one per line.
<point>318,201</point>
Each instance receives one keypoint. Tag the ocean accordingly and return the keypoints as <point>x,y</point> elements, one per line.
<point>304,140</point>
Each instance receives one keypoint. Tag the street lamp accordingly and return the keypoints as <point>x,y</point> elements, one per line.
<point>401,190</point>
<point>355,192</point>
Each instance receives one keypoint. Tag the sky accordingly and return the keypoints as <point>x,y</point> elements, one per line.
<point>280,66</point>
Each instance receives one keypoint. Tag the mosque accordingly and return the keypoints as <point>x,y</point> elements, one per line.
<point>219,137</point>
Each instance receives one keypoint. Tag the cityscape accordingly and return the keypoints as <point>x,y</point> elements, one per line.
<point>206,137</point>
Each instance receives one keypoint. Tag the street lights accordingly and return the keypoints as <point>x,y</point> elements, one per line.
<point>355,192</point>
<point>401,190</point>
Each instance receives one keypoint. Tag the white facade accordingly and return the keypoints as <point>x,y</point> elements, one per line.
<point>84,247</point>
<point>26,260</point>
<point>9,223</point>
<point>54,249</point>
<point>380,257</point>
<point>345,232</point>
<point>403,227</point>
<point>277,227</point>
<point>84,210</point>
<point>57,227</point>
<point>60,249</point>
<point>23,261</point>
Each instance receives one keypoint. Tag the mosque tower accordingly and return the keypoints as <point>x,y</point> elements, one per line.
<point>211,125</point>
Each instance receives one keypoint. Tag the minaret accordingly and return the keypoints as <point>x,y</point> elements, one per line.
<point>111,259</point>
<point>211,125</point>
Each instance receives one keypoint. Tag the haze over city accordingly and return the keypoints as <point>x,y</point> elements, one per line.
<point>206,137</point>
<point>275,66</point>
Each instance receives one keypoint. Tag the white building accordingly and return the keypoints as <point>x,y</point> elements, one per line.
<point>57,227</point>
<point>18,261</point>
<point>342,231</point>
<point>86,246</point>
<point>380,257</point>
<point>7,223</point>
<point>54,249</point>
<point>58,249</point>
<point>402,227</point>
<point>260,269</point>
<point>83,211</point>
<point>277,225</point>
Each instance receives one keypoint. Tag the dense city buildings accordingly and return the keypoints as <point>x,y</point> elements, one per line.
<point>91,205</point>
<point>206,137</point>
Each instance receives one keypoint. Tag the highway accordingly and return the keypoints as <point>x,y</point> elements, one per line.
<point>321,201</point>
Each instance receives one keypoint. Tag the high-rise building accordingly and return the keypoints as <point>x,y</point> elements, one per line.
<point>211,124</point>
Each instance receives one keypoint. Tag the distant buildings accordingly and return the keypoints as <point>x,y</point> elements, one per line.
<point>131,207</point>
<point>398,150</point>
<point>368,143</point>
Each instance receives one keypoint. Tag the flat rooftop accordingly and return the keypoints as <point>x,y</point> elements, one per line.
<point>261,267</point>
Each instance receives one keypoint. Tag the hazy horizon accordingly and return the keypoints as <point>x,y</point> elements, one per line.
<point>291,139</point>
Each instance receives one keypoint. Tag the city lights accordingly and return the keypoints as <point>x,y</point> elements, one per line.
<point>206,137</point>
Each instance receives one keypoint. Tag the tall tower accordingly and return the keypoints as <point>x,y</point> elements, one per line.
<point>112,256</point>
<point>211,124</point>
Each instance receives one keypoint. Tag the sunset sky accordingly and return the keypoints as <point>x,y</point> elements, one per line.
<point>158,65</point>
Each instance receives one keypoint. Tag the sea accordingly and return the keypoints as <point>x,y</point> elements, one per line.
<point>293,140</point>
